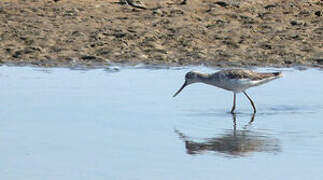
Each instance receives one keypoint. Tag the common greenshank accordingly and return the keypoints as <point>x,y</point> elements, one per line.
<point>235,80</point>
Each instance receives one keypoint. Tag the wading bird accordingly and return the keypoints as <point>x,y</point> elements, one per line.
<point>235,80</point>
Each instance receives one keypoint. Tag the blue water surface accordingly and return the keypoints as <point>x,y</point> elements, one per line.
<point>122,123</point>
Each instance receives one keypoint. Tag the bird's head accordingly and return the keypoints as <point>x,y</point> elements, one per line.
<point>190,77</point>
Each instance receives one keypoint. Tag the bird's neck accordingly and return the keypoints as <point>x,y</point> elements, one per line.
<point>211,79</point>
<point>203,77</point>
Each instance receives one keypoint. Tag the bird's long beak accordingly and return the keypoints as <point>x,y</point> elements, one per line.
<point>185,84</point>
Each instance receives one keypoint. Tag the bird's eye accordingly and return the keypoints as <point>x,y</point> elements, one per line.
<point>189,76</point>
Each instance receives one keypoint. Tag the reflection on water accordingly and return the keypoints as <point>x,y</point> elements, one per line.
<point>233,142</point>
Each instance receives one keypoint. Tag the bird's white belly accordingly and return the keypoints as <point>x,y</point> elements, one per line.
<point>235,85</point>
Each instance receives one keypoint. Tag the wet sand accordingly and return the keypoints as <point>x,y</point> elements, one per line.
<point>216,33</point>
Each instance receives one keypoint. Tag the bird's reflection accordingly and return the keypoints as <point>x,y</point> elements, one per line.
<point>233,142</point>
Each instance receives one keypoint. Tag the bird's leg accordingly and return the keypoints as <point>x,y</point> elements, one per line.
<point>234,124</point>
<point>234,103</point>
<point>252,119</point>
<point>253,105</point>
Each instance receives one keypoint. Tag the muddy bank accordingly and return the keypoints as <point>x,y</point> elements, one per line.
<point>216,33</point>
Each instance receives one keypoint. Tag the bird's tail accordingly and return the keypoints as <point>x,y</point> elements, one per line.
<point>269,77</point>
<point>277,74</point>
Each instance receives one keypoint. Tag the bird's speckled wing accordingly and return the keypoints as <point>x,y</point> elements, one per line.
<point>246,74</point>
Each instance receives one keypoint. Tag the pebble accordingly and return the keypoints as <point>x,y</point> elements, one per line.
<point>318,13</point>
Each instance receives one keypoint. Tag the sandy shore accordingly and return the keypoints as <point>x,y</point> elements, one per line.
<point>215,33</point>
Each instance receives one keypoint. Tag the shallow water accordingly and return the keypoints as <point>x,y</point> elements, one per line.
<point>124,124</point>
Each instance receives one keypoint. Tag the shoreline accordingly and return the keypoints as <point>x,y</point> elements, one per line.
<point>115,67</point>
